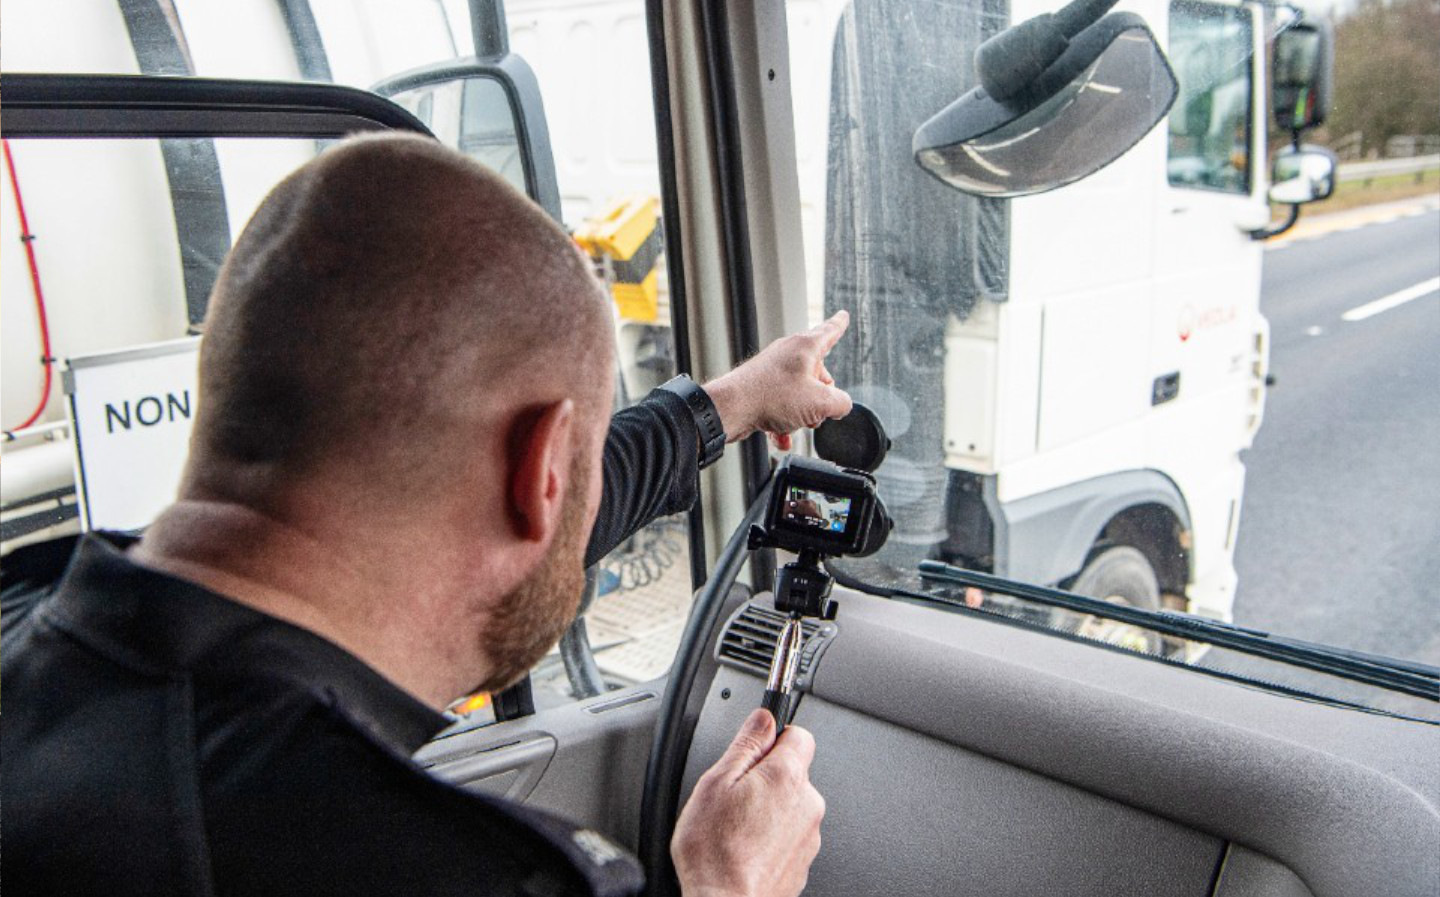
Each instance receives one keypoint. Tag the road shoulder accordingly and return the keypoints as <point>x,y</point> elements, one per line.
<point>1310,228</point>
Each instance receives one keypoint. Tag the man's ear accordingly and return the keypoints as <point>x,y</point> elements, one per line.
<point>539,448</point>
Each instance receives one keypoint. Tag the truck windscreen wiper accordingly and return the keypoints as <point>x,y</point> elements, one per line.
<point>1408,677</point>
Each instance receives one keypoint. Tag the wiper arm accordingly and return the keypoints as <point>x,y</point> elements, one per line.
<point>1409,678</point>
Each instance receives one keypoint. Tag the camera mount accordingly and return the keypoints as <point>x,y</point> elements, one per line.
<point>819,509</point>
<point>802,589</point>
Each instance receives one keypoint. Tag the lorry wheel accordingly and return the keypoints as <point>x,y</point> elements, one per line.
<point>1122,575</point>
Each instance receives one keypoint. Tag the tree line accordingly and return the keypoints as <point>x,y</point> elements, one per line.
<point>1387,73</point>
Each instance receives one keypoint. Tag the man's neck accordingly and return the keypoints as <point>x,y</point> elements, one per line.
<point>337,589</point>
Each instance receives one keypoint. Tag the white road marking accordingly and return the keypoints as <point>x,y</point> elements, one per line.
<point>1394,300</point>
<point>1314,330</point>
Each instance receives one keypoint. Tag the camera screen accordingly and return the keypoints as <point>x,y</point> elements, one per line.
<point>809,508</point>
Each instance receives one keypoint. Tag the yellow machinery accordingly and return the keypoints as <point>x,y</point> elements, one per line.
<point>625,243</point>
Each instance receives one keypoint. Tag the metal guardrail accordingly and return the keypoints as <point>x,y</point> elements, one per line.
<point>1360,171</point>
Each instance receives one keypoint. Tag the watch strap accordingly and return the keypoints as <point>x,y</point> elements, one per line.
<point>707,417</point>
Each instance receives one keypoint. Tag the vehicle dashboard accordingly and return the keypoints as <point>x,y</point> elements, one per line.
<point>958,756</point>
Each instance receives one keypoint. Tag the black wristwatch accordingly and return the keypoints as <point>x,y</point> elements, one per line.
<point>707,418</point>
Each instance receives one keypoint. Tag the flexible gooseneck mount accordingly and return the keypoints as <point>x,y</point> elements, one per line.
<point>802,589</point>
<point>803,586</point>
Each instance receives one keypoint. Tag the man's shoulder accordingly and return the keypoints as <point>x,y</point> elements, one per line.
<point>327,804</point>
<point>260,757</point>
<point>27,576</point>
<point>253,784</point>
<point>38,563</point>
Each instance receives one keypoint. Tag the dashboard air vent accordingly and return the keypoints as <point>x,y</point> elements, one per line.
<point>749,640</point>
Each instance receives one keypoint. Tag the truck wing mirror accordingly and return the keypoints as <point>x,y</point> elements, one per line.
<point>1060,97</point>
<point>1302,174</point>
<point>490,110</point>
<point>1304,63</point>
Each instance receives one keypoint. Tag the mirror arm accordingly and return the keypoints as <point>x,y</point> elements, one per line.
<point>576,653</point>
<point>487,26</point>
<point>1296,13</point>
<point>1266,233</point>
<point>1011,61</point>
<point>1078,15</point>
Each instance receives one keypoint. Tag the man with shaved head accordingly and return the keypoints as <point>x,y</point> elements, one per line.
<point>402,461</point>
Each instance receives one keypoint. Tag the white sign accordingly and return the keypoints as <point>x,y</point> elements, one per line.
<point>132,411</point>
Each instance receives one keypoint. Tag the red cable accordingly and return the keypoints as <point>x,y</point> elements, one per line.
<point>28,239</point>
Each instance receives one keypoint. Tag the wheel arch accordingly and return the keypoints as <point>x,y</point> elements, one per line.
<point>1047,538</point>
<point>1157,532</point>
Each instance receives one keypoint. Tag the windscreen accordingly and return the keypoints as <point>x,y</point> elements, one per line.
<point>1080,386</point>
<point>904,253</point>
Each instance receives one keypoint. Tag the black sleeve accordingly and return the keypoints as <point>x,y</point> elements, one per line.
<point>651,469</point>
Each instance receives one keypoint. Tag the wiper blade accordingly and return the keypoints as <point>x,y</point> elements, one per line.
<point>1415,679</point>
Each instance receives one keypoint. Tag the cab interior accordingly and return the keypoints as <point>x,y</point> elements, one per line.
<point>959,751</point>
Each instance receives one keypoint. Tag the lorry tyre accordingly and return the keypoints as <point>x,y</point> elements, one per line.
<point>1122,575</point>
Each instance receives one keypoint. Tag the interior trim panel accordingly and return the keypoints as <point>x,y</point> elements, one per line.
<point>961,756</point>
<point>584,761</point>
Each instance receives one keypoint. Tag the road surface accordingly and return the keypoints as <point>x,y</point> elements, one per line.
<point>1339,539</point>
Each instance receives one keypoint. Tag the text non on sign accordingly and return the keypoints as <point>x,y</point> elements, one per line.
<point>149,411</point>
<point>132,411</point>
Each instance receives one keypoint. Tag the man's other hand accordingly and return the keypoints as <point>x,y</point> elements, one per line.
<point>785,387</point>
<point>752,826</point>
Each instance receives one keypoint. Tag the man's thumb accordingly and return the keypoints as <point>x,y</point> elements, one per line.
<point>837,402</point>
<point>751,744</point>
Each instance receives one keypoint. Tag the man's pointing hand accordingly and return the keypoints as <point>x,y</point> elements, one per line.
<point>784,388</point>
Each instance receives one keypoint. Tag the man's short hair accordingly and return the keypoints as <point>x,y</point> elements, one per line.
<point>378,299</point>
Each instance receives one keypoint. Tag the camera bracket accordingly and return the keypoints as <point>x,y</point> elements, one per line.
<point>819,508</point>
<point>802,587</point>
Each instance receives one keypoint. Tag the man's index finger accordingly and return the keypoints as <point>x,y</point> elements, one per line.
<point>829,331</point>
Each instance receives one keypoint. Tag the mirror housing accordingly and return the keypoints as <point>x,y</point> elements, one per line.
<point>1302,73</point>
<point>490,110</point>
<point>1303,174</point>
<point>1108,87</point>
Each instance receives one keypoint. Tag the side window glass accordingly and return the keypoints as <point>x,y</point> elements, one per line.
<point>126,256</point>
<point>108,252</point>
<point>473,115</point>
<point>607,177</point>
<point>607,169</point>
<point>126,341</point>
<point>1209,131</point>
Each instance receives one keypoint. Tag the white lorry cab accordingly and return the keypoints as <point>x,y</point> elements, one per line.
<point>1049,226</point>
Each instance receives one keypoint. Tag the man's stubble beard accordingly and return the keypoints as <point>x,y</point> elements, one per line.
<point>528,620</point>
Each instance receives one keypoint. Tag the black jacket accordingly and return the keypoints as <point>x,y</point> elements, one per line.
<point>162,739</point>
